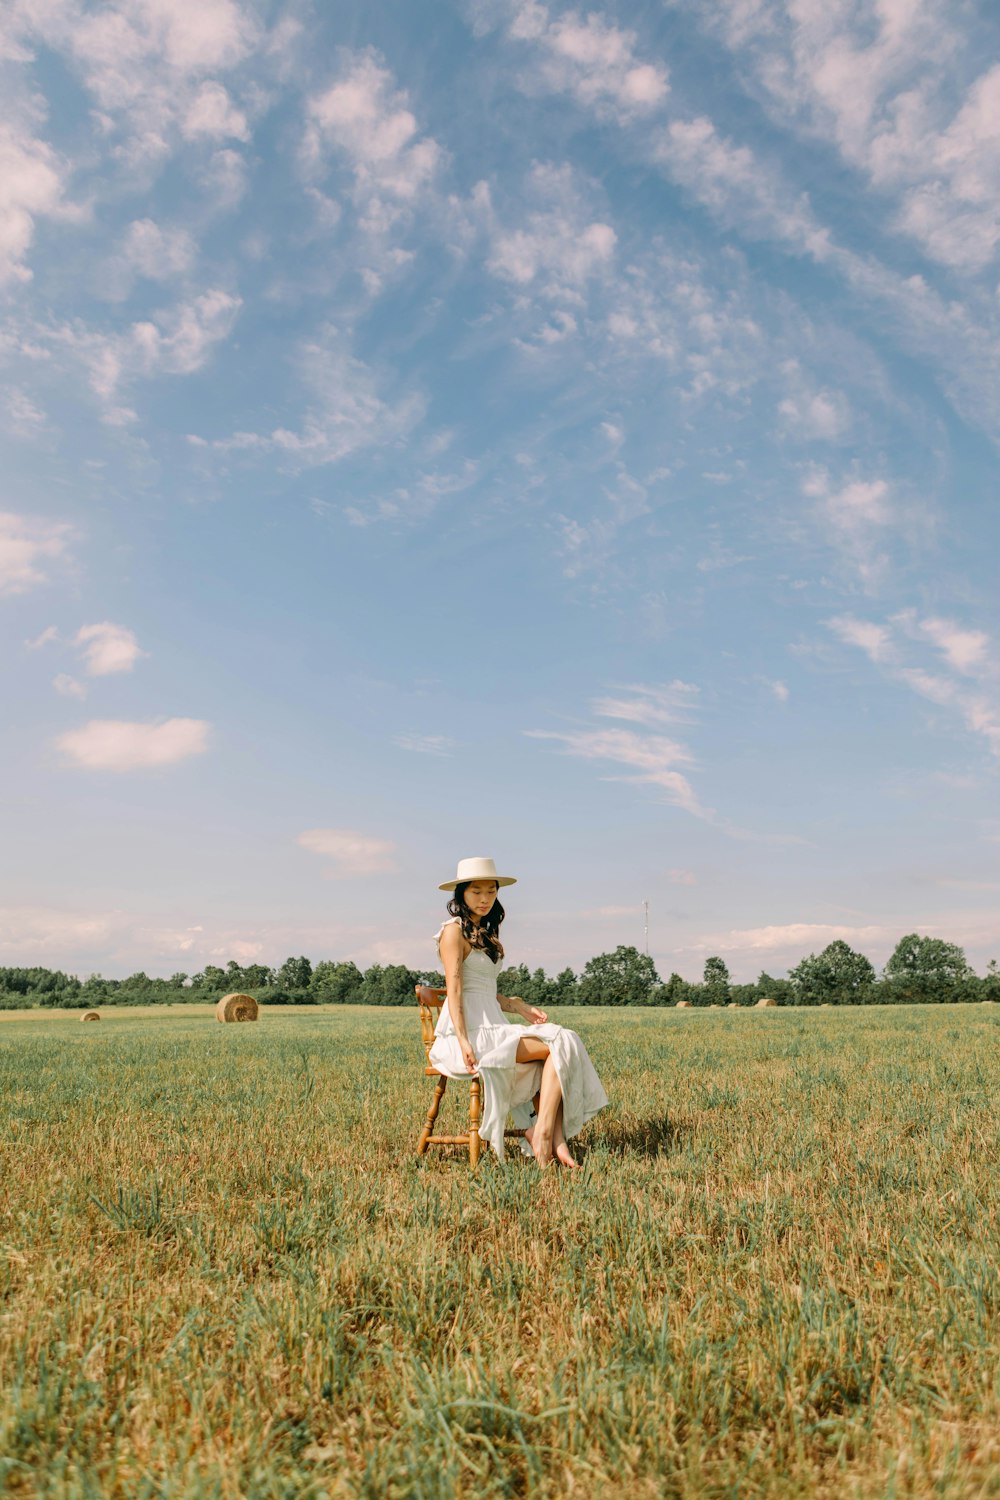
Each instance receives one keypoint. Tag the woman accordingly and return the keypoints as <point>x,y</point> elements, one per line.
<point>516,1064</point>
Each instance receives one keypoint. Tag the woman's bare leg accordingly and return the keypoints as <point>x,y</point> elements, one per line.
<point>548,1106</point>
<point>562,1151</point>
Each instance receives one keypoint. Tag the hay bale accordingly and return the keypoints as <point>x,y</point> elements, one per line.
<point>236,1008</point>
<point>733,1005</point>
<point>766,1001</point>
<point>90,1015</point>
<point>683,1005</point>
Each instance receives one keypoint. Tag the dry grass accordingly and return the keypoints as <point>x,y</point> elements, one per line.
<point>224,1273</point>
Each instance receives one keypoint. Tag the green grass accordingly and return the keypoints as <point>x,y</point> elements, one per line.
<point>223,1272</point>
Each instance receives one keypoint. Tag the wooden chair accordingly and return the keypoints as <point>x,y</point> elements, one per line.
<point>430,1002</point>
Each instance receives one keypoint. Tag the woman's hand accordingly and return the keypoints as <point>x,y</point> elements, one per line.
<point>468,1056</point>
<point>533,1015</point>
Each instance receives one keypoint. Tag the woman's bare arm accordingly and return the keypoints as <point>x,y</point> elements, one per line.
<point>453,947</point>
<point>529,1013</point>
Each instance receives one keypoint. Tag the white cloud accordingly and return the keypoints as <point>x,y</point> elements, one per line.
<point>108,648</point>
<point>426,744</point>
<point>682,877</point>
<point>964,650</point>
<point>796,937</point>
<point>31,185</point>
<point>156,252</point>
<point>177,341</point>
<point>347,412</point>
<point>68,686</point>
<point>778,688</point>
<point>811,415</point>
<point>650,704</point>
<point>25,545</point>
<point>366,119</point>
<point>352,853</point>
<point>22,417</point>
<point>855,518</point>
<point>651,758</point>
<point>117,745</point>
<point>47,636</point>
<point>145,62</point>
<point>224,178</point>
<point>555,245</point>
<point>28,932</point>
<point>587,57</point>
<point>212,113</point>
<point>874,640</point>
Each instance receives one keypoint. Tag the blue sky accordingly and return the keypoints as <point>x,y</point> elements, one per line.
<point>562,434</point>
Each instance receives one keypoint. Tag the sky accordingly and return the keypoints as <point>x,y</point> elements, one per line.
<point>498,428</point>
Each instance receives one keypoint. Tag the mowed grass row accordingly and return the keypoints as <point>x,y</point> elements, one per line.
<point>223,1272</point>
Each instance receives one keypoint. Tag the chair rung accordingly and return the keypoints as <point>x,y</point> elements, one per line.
<point>447,1140</point>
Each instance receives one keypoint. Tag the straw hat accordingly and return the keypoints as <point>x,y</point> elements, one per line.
<point>477,869</point>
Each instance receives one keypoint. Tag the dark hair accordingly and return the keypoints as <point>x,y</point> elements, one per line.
<point>485,935</point>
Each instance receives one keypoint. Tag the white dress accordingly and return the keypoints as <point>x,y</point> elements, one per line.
<point>509,1086</point>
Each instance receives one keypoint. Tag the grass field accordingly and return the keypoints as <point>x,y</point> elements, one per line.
<point>223,1272</point>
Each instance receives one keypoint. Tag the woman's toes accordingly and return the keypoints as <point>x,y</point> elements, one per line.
<point>565,1156</point>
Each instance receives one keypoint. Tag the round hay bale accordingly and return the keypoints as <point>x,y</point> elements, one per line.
<point>766,1001</point>
<point>683,1005</point>
<point>987,1002</point>
<point>90,1015</point>
<point>733,1005</point>
<point>236,1008</point>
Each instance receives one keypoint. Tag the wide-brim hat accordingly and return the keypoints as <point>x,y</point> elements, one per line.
<point>477,869</point>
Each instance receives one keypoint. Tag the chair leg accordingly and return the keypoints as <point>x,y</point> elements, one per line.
<point>475,1115</point>
<point>432,1114</point>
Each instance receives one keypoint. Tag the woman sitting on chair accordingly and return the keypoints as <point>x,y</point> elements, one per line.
<point>516,1063</point>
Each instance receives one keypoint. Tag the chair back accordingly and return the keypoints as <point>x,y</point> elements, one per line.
<point>430,1002</point>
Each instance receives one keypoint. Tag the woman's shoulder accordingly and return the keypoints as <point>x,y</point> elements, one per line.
<point>451,922</point>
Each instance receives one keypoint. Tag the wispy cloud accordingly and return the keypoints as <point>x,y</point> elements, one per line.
<point>346,411</point>
<point>364,115</point>
<point>27,545</point>
<point>119,745</point>
<point>651,704</point>
<point>426,744</point>
<point>966,653</point>
<point>68,687</point>
<point>351,853</point>
<point>108,648</point>
<point>584,56</point>
<point>650,759</point>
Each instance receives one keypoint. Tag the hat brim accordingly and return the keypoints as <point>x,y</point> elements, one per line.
<point>451,885</point>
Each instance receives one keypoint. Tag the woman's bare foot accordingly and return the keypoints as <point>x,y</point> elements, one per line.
<point>564,1155</point>
<point>541,1146</point>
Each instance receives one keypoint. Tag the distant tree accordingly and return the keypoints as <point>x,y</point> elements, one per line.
<point>212,978</point>
<point>392,985</point>
<point>564,988</point>
<point>716,982</point>
<point>337,983</point>
<point>925,968</point>
<point>837,976</point>
<point>294,974</point>
<point>514,980</point>
<point>257,976</point>
<point>624,977</point>
<point>989,987</point>
<point>178,980</point>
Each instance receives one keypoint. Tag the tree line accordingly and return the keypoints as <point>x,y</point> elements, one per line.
<point>921,969</point>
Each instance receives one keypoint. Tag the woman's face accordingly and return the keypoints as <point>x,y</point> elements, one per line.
<point>480,896</point>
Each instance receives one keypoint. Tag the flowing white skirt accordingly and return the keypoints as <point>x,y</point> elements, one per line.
<point>510,1086</point>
